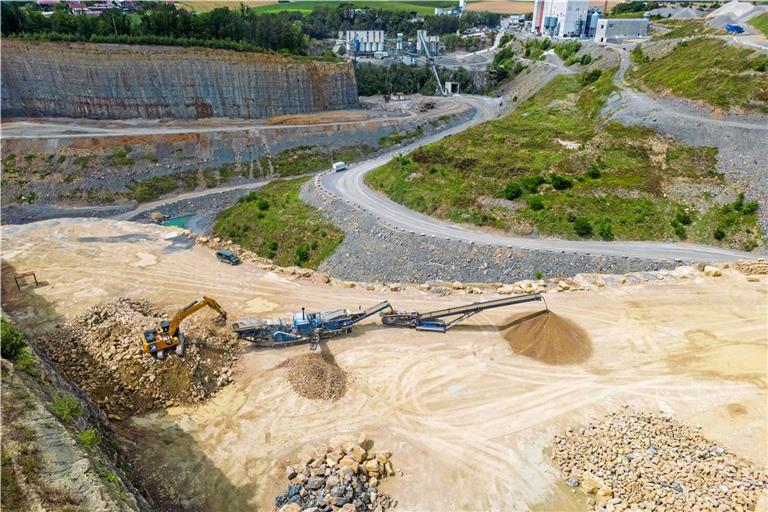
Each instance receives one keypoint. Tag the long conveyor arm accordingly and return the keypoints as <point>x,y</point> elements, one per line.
<point>476,307</point>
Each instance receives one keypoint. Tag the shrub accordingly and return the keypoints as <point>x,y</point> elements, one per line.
<point>89,438</point>
<point>12,343</point>
<point>539,275</point>
<point>719,233</point>
<point>531,183</point>
<point>582,227</point>
<point>749,207</point>
<point>535,203</point>
<point>301,255</point>
<point>589,77</point>
<point>605,231</point>
<point>66,408</point>
<point>683,217</point>
<point>560,182</point>
<point>738,204</point>
<point>594,172</point>
<point>262,204</point>
<point>586,59</point>
<point>513,190</point>
<point>679,230</point>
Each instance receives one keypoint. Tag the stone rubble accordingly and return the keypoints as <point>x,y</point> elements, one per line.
<point>101,352</point>
<point>338,478</point>
<point>643,461</point>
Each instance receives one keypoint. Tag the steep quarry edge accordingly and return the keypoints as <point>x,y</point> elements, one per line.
<point>58,449</point>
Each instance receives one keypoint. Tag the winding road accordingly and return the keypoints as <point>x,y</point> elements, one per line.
<point>350,187</point>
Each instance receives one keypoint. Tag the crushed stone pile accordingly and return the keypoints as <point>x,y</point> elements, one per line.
<point>547,337</point>
<point>338,478</point>
<point>315,376</point>
<point>101,351</point>
<point>752,267</point>
<point>632,460</point>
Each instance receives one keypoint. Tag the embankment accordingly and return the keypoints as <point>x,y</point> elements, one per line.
<point>96,169</point>
<point>114,81</point>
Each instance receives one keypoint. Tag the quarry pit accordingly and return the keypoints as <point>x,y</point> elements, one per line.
<point>473,411</point>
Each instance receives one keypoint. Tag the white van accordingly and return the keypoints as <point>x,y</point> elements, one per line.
<point>339,166</point>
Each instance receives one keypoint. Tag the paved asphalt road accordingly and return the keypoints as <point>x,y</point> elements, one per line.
<point>349,186</point>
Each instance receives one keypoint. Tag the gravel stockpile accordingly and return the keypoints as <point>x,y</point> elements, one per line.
<point>547,337</point>
<point>344,477</point>
<point>313,376</point>
<point>372,252</point>
<point>101,351</point>
<point>645,461</point>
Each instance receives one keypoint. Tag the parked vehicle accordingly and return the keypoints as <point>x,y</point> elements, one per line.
<point>226,256</point>
<point>339,166</point>
<point>734,29</point>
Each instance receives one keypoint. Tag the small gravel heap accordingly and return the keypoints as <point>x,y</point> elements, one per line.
<point>101,351</point>
<point>344,477</point>
<point>313,376</point>
<point>644,461</point>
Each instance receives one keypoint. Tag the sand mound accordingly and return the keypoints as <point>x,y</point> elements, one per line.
<point>101,352</point>
<point>547,337</point>
<point>314,376</point>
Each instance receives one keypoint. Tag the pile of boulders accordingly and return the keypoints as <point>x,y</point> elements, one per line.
<point>752,267</point>
<point>344,477</point>
<point>632,460</point>
<point>101,351</point>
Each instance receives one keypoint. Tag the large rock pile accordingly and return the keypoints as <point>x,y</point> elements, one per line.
<point>101,351</point>
<point>644,461</point>
<point>313,376</point>
<point>344,477</point>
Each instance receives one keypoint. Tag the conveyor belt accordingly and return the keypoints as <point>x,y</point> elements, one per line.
<point>480,306</point>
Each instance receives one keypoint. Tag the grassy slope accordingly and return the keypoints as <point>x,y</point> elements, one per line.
<point>645,181</point>
<point>760,23</point>
<point>686,28</point>
<point>274,222</point>
<point>710,70</point>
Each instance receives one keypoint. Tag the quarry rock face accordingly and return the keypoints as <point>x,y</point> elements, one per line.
<point>115,81</point>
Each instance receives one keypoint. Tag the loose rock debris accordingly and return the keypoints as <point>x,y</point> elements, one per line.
<point>344,477</point>
<point>313,376</point>
<point>634,460</point>
<point>101,351</point>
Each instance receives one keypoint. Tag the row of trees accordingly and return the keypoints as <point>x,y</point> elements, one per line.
<point>289,30</point>
<point>373,79</point>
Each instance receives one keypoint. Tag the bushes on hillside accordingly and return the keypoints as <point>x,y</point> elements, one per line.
<point>12,342</point>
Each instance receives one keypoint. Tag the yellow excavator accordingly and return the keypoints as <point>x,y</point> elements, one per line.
<point>168,334</point>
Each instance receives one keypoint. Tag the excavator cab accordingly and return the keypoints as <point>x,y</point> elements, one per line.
<point>168,334</point>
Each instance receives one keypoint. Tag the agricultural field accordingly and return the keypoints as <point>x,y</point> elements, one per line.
<point>275,223</point>
<point>420,7</point>
<point>709,70</point>
<point>551,169</point>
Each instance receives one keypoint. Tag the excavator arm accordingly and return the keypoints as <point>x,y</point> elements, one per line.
<point>193,307</point>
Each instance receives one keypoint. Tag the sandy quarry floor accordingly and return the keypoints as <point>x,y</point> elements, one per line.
<point>467,420</point>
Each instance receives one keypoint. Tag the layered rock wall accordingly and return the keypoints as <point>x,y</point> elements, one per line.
<point>114,81</point>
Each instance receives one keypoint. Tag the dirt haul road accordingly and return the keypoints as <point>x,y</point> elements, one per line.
<point>468,421</point>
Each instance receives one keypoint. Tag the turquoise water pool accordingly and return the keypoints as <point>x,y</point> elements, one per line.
<point>179,222</point>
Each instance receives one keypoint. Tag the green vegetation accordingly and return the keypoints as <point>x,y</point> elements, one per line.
<point>12,342</point>
<point>505,65</point>
<point>686,28</point>
<point>568,175</point>
<point>307,159</point>
<point>65,407</point>
<point>397,137</point>
<point>89,438</point>
<point>306,6</point>
<point>567,52</point>
<point>158,186</point>
<point>633,7</point>
<point>374,79</point>
<point>535,48</point>
<point>275,223</point>
<point>760,23</point>
<point>13,495</point>
<point>120,157</point>
<point>709,70</point>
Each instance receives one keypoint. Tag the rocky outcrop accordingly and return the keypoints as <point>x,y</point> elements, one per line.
<point>114,81</point>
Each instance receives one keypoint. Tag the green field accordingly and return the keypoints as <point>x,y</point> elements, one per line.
<point>275,223</point>
<point>550,168</point>
<point>709,70</point>
<point>760,23</point>
<point>305,6</point>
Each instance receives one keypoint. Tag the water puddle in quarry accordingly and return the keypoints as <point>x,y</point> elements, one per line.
<point>178,222</point>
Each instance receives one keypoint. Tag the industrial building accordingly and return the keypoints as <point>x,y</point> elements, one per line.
<point>561,18</point>
<point>363,42</point>
<point>616,30</point>
<point>432,43</point>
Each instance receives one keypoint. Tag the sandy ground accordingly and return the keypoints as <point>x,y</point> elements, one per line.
<point>468,421</point>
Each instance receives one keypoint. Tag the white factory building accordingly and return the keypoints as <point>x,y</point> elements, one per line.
<point>615,30</point>
<point>363,42</point>
<point>559,18</point>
